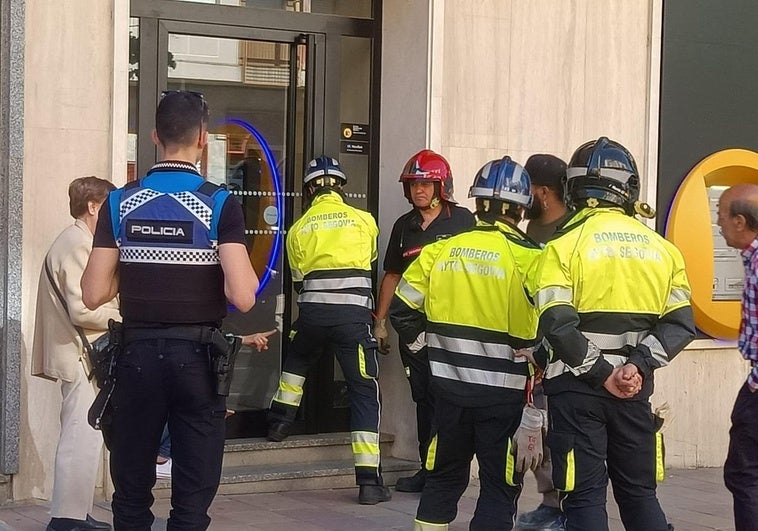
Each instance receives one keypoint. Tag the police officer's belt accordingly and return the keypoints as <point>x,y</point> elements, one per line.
<point>198,334</point>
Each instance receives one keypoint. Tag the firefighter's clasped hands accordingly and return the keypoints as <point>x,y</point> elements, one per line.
<point>624,381</point>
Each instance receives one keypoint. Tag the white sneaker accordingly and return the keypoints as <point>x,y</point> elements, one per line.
<point>163,470</point>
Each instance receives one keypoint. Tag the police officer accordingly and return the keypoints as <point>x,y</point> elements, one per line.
<point>173,246</point>
<point>330,250</point>
<point>428,187</point>
<point>613,299</point>
<point>470,288</point>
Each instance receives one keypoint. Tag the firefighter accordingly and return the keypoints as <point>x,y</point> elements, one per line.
<point>428,186</point>
<point>330,250</point>
<point>464,299</point>
<point>613,299</point>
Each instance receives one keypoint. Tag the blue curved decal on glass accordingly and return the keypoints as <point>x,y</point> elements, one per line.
<point>279,200</point>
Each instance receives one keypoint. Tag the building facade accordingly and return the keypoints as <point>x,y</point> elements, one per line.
<point>371,82</point>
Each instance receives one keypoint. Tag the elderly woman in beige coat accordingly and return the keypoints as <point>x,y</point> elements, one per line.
<point>58,354</point>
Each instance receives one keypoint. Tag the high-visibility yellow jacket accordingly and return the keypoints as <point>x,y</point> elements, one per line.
<point>609,290</point>
<point>471,289</point>
<point>330,251</point>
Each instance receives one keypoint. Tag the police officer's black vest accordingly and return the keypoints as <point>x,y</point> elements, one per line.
<point>167,234</point>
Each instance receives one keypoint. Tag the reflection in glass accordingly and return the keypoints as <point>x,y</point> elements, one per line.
<point>355,99</point>
<point>246,84</point>
<point>133,123</point>
<point>355,92</point>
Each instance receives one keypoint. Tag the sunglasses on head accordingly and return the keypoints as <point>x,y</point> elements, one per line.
<point>198,95</point>
<point>192,92</point>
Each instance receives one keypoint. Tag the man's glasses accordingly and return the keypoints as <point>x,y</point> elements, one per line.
<point>199,95</point>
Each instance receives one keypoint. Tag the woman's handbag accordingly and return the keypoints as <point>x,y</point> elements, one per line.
<point>101,357</point>
<point>99,352</point>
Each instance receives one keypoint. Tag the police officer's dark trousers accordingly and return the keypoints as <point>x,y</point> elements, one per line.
<point>419,377</point>
<point>460,434</point>
<point>588,431</point>
<point>160,380</point>
<point>356,351</point>
<point>741,468</point>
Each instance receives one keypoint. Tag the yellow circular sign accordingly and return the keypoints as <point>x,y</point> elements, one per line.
<point>347,132</point>
<point>691,227</point>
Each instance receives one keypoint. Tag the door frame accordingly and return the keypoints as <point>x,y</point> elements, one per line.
<point>322,34</point>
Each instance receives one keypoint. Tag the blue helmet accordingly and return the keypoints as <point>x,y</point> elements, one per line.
<point>324,166</point>
<point>603,170</point>
<point>503,180</point>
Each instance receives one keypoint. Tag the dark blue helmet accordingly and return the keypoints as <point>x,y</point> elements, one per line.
<point>324,166</point>
<point>603,170</point>
<point>503,180</point>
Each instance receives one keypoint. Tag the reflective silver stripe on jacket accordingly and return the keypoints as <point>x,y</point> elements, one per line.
<point>320,284</point>
<point>678,296</point>
<point>325,297</point>
<point>163,255</point>
<point>478,376</point>
<point>593,353</point>
<point>410,293</point>
<point>553,294</point>
<point>472,347</point>
<point>557,367</point>
<point>656,349</point>
<point>615,341</point>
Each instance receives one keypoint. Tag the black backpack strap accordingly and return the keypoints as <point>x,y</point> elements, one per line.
<point>208,188</point>
<point>133,184</point>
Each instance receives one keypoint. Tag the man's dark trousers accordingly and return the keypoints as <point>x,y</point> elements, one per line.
<point>592,438</point>
<point>741,468</point>
<point>419,377</point>
<point>160,380</point>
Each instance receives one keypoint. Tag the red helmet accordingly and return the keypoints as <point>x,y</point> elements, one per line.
<point>427,165</point>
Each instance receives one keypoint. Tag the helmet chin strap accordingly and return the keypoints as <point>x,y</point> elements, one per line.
<point>434,203</point>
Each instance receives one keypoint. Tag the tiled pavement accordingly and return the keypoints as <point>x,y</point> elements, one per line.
<point>694,500</point>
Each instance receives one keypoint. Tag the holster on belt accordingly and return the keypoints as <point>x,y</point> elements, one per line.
<point>223,347</point>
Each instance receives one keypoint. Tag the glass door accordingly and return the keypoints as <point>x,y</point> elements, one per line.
<point>282,86</point>
<point>263,113</point>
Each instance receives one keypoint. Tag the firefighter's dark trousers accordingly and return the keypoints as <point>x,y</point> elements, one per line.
<point>419,377</point>
<point>592,438</point>
<point>460,434</point>
<point>356,351</point>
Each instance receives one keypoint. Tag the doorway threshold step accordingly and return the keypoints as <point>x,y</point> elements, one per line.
<point>296,448</point>
<point>297,476</point>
